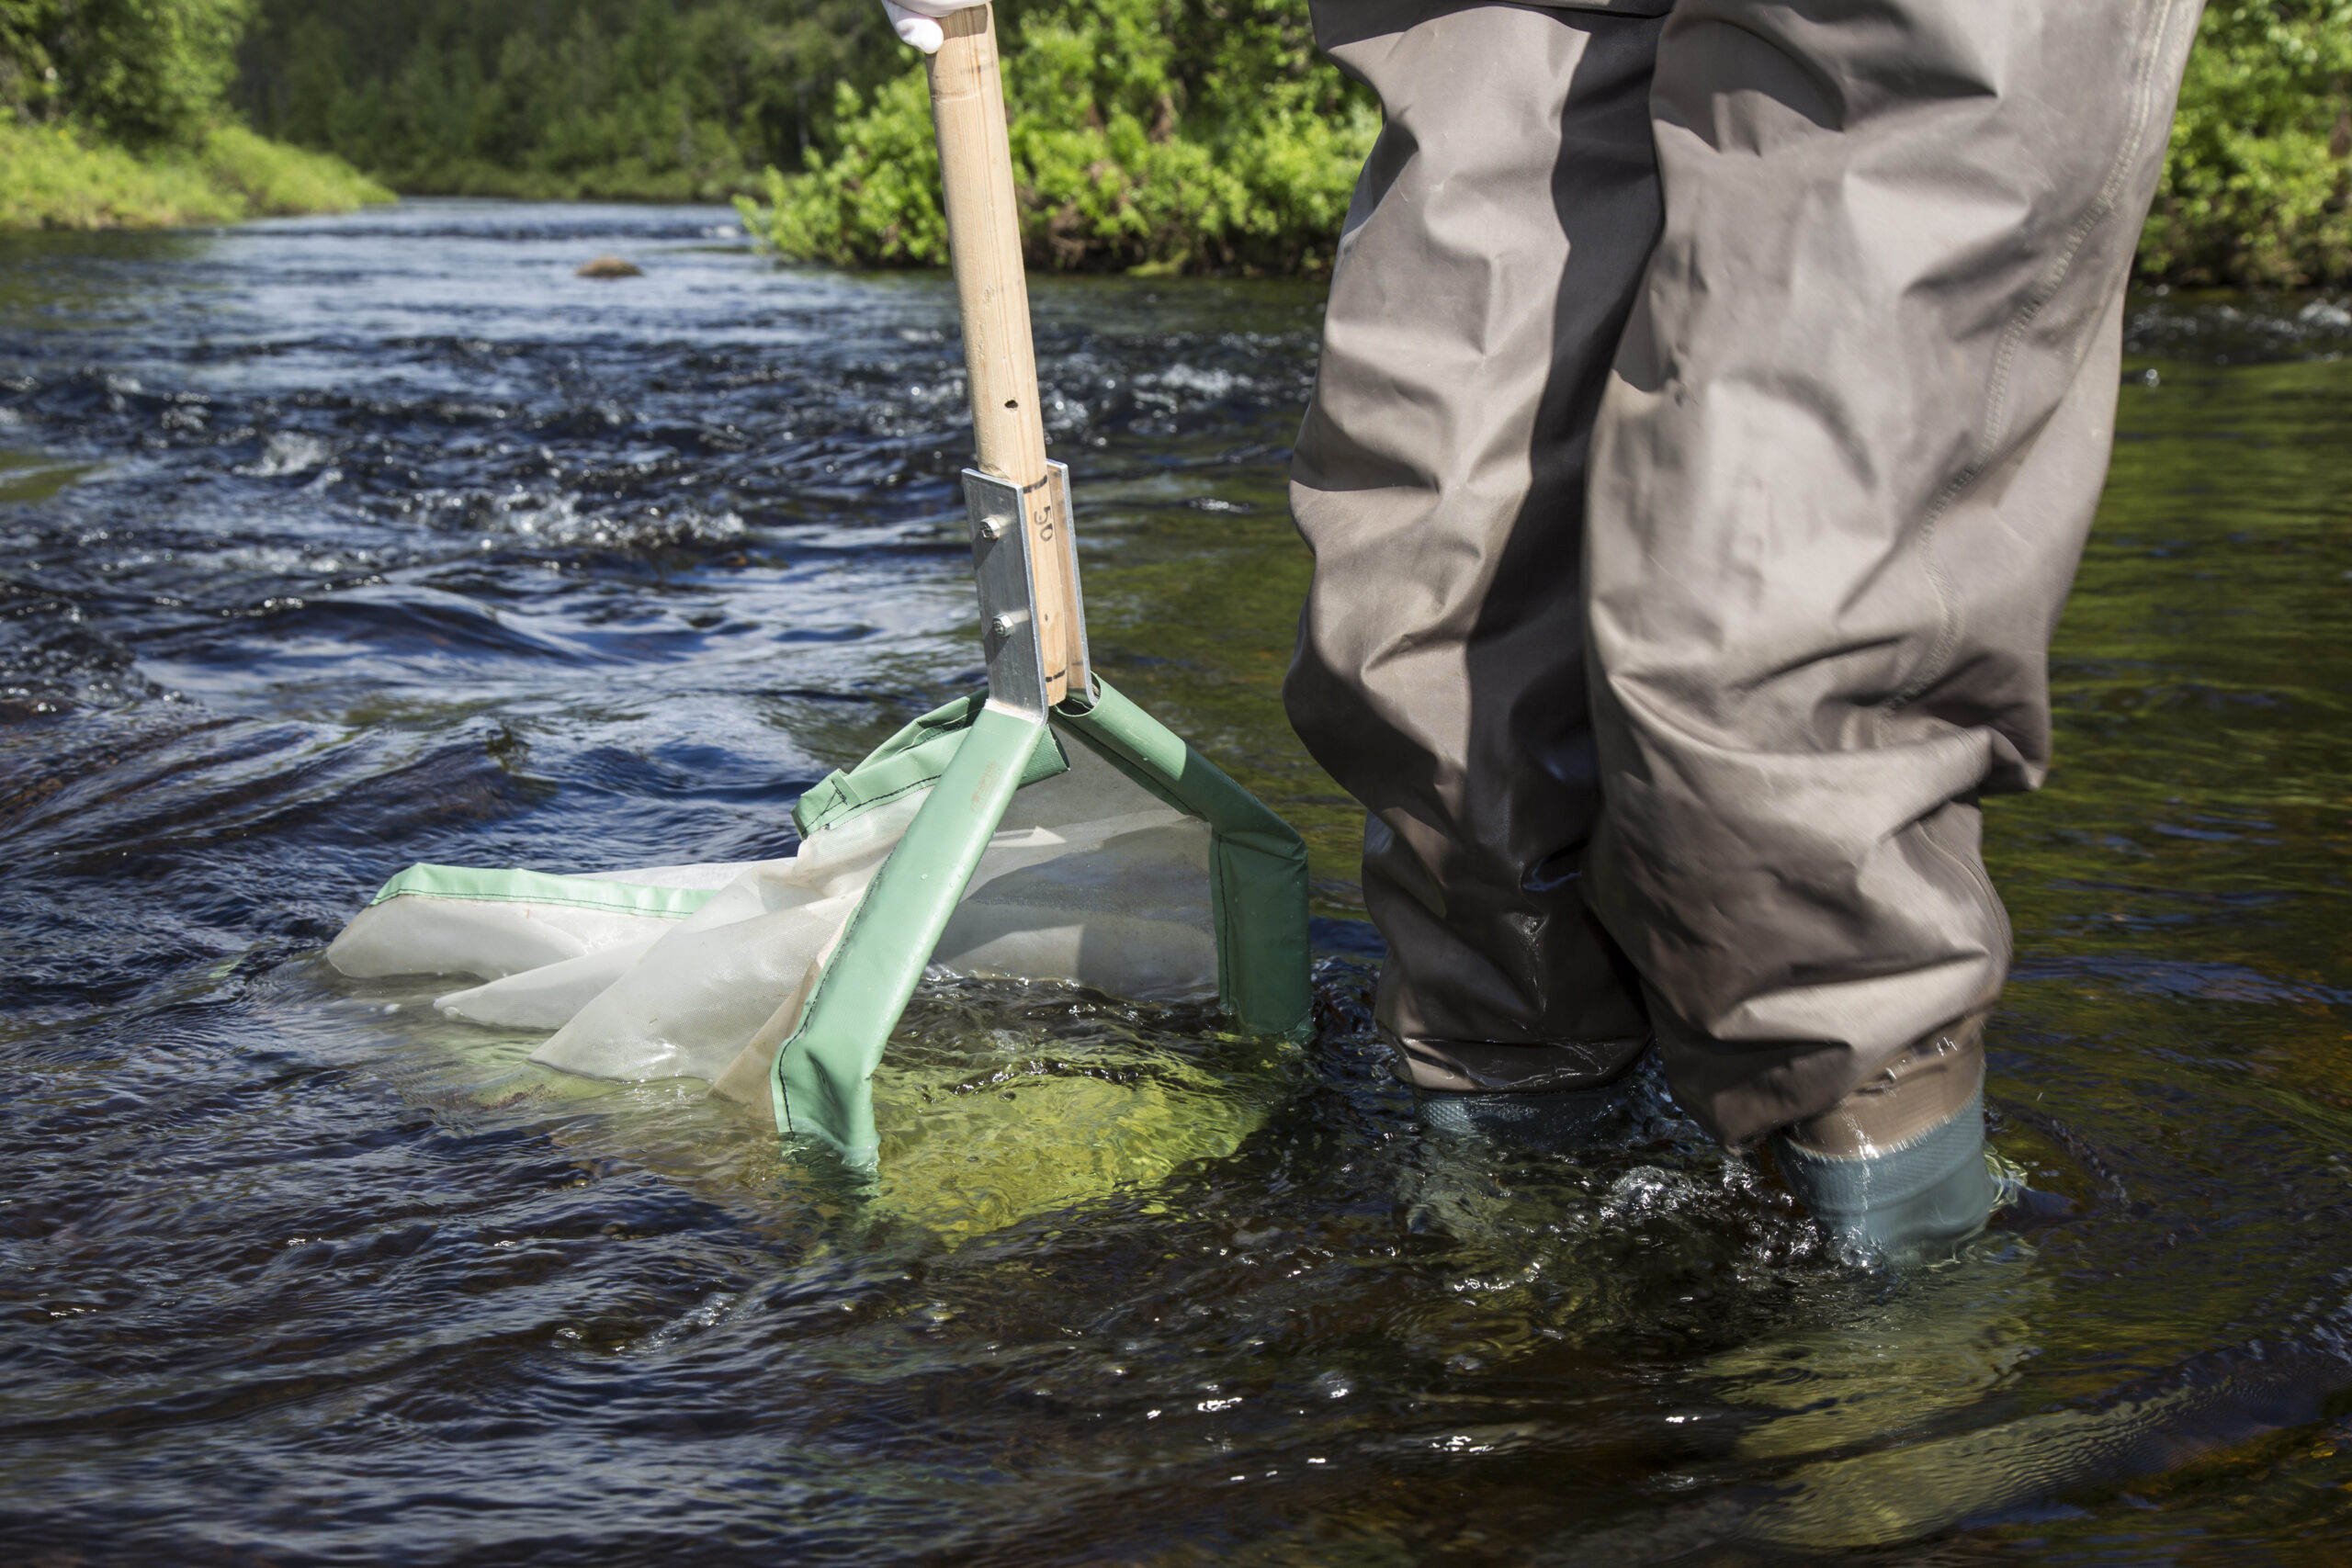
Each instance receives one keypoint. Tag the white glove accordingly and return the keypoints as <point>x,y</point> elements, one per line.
<point>917,21</point>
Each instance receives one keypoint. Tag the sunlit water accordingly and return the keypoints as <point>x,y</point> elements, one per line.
<point>327,546</point>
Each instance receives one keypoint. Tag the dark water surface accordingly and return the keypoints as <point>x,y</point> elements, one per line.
<point>326,547</point>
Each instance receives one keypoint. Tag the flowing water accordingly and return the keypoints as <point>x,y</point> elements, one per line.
<point>330,546</point>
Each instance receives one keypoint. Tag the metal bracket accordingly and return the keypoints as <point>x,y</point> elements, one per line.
<point>1008,616</point>
<point>1008,612</point>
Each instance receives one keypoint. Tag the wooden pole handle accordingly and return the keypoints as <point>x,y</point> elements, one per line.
<point>999,358</point>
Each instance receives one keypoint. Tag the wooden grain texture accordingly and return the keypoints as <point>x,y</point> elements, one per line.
<point>999,358</point>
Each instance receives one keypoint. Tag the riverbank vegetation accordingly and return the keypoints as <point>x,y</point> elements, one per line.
<point>1179,133</point>
<point>115,112</point>
<point>1145,133</point>
<point>1173,135</point>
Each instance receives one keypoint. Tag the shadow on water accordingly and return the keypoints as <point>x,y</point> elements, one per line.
<point>330,546</point>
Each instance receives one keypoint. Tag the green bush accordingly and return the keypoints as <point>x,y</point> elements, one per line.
<point>1145,133</point>
<point>1200,134</point>
<point>2260,168</point>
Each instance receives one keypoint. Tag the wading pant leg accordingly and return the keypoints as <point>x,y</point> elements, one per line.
<point>1487,263</point>
<point>1841,478</point>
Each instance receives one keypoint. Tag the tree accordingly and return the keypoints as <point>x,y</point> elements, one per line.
<point>2257,183</point>
<point>140,71</point>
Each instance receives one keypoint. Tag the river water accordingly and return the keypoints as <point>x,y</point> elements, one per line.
<point>329,546</point>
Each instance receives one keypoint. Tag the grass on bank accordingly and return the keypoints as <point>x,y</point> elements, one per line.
<point>53,176</point>
<point>625,179</point>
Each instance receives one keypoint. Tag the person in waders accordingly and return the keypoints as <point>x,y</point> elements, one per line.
<point>1714,397</point>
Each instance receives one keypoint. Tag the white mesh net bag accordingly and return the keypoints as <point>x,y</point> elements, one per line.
<point>701,971</point>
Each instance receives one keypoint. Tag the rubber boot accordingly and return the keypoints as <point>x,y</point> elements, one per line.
<point>1897,1169</point>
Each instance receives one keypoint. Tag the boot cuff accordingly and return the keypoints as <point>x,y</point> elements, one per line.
<point>1918,1091</point>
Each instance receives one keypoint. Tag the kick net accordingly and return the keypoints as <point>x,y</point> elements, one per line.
<point>1152,884</point>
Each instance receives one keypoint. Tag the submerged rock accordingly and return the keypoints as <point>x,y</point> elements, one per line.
<point>609,266</point>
